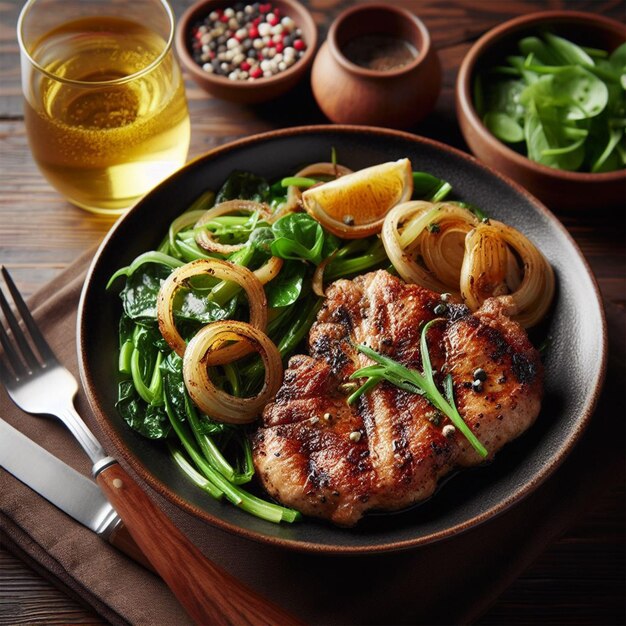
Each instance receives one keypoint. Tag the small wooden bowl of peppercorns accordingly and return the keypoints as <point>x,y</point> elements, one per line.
<point>246,52</point>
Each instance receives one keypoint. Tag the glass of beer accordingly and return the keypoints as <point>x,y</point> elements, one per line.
<point>105,107</point>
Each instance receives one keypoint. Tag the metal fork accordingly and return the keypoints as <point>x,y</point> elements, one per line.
<point>39,384</point>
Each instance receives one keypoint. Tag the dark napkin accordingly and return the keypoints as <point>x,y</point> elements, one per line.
<point>453,581</point>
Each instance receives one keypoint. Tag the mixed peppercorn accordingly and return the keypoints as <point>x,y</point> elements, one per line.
<point>247,41</point>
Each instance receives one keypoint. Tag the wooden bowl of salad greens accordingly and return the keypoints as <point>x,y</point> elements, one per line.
<point>542,98</point>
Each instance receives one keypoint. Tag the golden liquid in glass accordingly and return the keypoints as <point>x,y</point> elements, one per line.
<point>104,146</point>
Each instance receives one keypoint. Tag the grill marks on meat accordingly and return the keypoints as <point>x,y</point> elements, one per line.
<point>303,451</point>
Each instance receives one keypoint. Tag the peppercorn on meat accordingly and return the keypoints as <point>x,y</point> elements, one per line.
<point>386,451</point>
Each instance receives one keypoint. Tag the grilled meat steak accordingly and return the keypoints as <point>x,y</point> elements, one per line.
<point>387,451</point>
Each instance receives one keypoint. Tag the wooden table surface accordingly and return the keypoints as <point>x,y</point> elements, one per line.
<point>580,578</point>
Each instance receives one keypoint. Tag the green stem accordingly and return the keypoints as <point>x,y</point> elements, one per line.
<point>347,267</point>
<point>415,382</point>
<point>237,496</point>
<point>194,476</point>
<point>126,352</point>
<point>152,393</point>
<point>147,257</point>
<point>298,181</point>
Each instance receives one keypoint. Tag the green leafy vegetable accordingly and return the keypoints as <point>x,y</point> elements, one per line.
<point>358,256</point>
<point>422,383</point>
<point>244,186</point>
<point>148,257</point>
<point>287,287</point>
<point>139,295</point>
<point>504,126</point>
<point>298,236</point>
<point>561,104</point>
<point>235,494</point>
<point>150,421</point>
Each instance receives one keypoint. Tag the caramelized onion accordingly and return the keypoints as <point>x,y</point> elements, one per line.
<point>484,269</point>
<point>444,247</point>
<point>317,282</point>
<point>294,194</point>
<point>442,250</point>
<point>269,270</point>
<point>204,238</point>
<point>534,295</point>
<point>488,272</point>
<point>395,241</point>
<point>220,269</point>
<point>199,355</point>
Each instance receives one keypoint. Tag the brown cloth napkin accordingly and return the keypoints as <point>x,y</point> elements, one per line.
<point>446,583</point>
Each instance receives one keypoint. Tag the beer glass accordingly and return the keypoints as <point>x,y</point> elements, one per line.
<point>104,101</point>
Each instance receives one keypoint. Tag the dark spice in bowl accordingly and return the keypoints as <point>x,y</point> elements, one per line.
<point>379,52</point>
<point>377,66</point>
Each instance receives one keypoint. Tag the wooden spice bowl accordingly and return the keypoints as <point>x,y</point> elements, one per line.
<point>244,91</point>
<point>399,97</point>
<point>559,189</point>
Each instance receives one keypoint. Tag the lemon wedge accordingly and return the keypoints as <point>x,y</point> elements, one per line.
<point>355,205</point>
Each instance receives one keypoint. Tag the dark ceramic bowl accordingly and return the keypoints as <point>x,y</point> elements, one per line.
<point>243,91</point>
<point>574,363</point>
<point>558,189</point>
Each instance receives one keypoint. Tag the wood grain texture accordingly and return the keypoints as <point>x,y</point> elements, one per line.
<point>209,594</point>
<point>580,579</point>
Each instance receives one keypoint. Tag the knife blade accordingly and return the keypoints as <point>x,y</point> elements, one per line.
<point>69,490</point>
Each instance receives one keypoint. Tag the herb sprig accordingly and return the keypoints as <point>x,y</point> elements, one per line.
<point>422,383</point>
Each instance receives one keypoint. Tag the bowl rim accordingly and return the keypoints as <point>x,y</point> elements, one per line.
<point>121,448</point>
<point>405,14</point>
<point>199,74</point>
<point>465,104</point>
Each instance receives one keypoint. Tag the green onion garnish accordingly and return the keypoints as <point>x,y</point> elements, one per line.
<point>422,383</point>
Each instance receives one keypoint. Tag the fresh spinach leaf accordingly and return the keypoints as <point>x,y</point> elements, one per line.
<point>139,295</point>
<point>244,186</point>
<point>609,158</point>
<point>195,306</point>
<point>564,109</point>
<point>298,236</point>
<point>617,61</point>
<point>504,127</point>
<point>503,96</point>
<point>567,51</point>
<point>543,136</point>
<point>286,288</point>
<point>539,49</point>
<point>586,95</point>
<point>149,421</point>
<point>261,238</point>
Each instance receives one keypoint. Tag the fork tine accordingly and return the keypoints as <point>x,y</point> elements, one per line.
<point>6,376</point>
<point>13,357</point>
<point>42,345</point>
<point>18,334</point>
